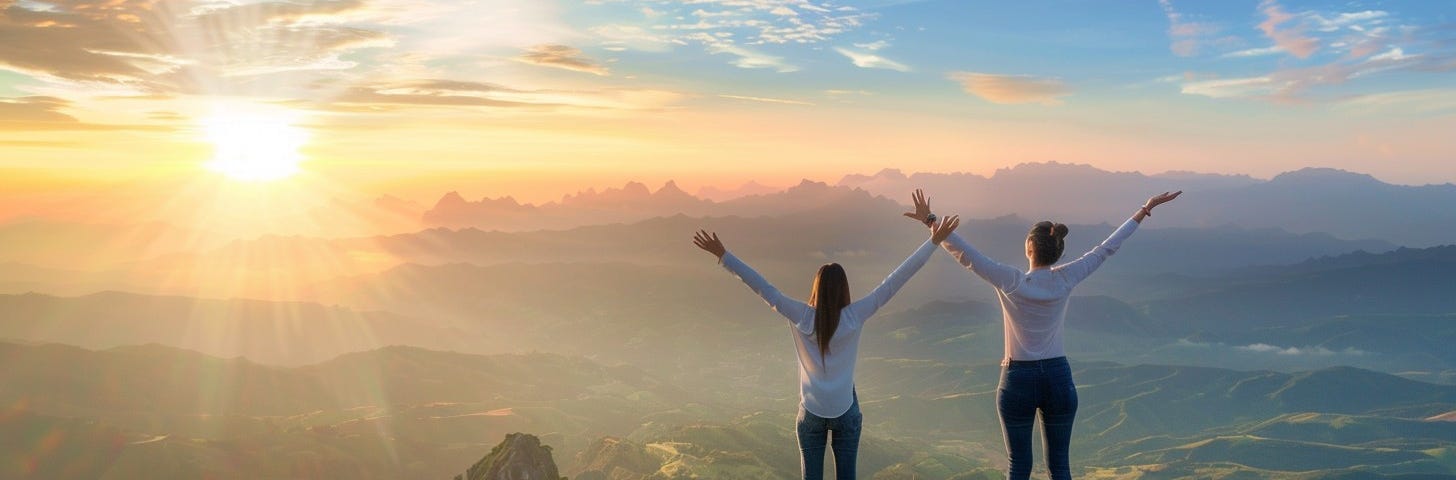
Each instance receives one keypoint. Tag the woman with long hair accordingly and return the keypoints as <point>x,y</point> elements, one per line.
<point>826,333</point>
<point>1035,375</point>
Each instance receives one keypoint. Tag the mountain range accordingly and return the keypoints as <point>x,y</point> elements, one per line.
<point>1312,200</point>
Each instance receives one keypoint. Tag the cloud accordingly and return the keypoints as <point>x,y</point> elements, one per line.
<point>1335,49</point>
<point>1294,85</point>
<point>40,113</point>
<point>1187,36</point>
<point>1298,351</point>
<point>735,27</point>
<point>390,95</point>
<point>1356,20</point>
<point>766,100</point>
<point>457,93</point>
<point>873,46</point>
<point>1232,87</point>
<point>633,37</point>
<point>564,57</point>
<point>1289,39</point>
<point>155,48</point>
<point>1254,52</point>
<point>751,58</point>
<point>1012,89</point>
<point>1435,101</point>
<point>870,60</point>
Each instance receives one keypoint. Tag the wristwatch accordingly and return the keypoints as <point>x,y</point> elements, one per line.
<point>929,219</point>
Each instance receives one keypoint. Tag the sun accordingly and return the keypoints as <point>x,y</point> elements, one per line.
<point>254,145</point>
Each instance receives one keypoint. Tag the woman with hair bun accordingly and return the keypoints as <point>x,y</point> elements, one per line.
<point>1035,375</point>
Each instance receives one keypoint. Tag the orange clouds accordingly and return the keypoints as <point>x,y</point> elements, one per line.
<point>562,56</point>
<point>1012,89</point>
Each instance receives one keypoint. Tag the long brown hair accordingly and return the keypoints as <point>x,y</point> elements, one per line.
<point>830,295</point>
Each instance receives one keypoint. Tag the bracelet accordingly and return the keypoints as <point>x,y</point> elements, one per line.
<point>1147,212</point>
<point>929,219</point>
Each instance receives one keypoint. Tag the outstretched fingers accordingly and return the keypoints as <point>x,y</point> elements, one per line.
<point>942,229</point>
<point>708,241</point>
<point>922,207</point>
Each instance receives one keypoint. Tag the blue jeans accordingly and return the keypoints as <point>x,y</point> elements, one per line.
<point>814,432</point>
<point>1029,386</point>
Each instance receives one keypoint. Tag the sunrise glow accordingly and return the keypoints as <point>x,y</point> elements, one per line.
<point>254,146</point>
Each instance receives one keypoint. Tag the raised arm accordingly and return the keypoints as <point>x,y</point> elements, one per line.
<point>867,306</point>
<point>1081,268</point>
<point>1003,277</point>
<point>798,313</point>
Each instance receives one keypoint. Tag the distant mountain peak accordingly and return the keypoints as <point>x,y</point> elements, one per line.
<point>451,199</point>
<point>636,188</point>
<point>886,174</point>
<point>746,189</point>
<point>1049,168</point>
<point>670,189</point>
<point>807,184</point>
<point>1324,175</point>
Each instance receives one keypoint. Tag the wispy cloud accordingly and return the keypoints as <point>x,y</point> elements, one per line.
<point>871,60</point>
<point>1332,48</point>
<point>1012,89</point>
<point>766,100</point>
<point>564,57</point>
<point>45,113</point>
<point>750,58</point>
<point>1246,87</point>
<point>1417,102</point>
<point>1286,32</point>
<point>737,27</point>
<point>1298,351</point>
<point>1295,85</point>
<point>490,96</point>
<point>1254,52</point>
<point>1187,36</point>
<point>150,50</point>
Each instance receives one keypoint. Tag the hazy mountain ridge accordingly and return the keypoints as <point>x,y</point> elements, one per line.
<point>634,202</point>
<point>1312,200</point>
<point>289,333</point>
<point>511,306</point>
<point>1346,204</point>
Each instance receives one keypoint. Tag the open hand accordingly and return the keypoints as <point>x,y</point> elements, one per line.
<point>709,242</point>
<point>1160,199</point>
<point>943,228</point>
<point>922,206</point>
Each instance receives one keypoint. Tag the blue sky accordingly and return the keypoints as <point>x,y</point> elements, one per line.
<point>708,91</point>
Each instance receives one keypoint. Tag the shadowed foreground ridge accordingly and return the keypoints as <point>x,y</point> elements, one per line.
<point>520,456</point>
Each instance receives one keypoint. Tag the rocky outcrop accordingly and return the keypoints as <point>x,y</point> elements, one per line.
<point>520,457</point>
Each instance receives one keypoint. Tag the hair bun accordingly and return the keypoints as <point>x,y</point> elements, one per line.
<point>1059,230</point>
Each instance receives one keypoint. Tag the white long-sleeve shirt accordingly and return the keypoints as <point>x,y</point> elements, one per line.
<point>1034,304</point>
<point>826,387</point>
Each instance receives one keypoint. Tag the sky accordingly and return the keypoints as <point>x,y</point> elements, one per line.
<point>542,97</point>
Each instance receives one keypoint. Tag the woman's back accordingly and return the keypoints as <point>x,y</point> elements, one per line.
<point>1034,304</point>
<point>826,380</point>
